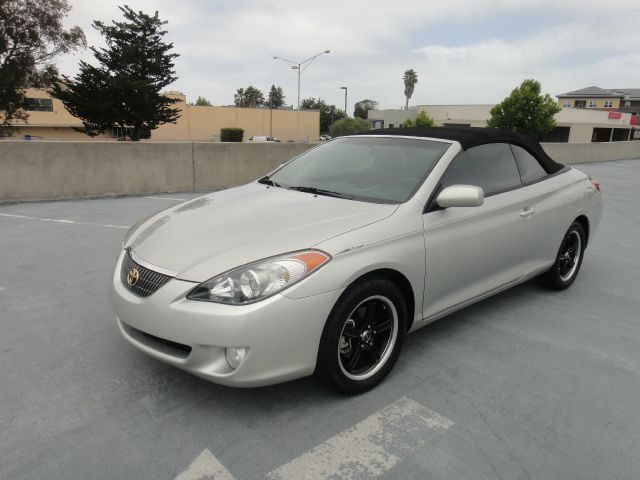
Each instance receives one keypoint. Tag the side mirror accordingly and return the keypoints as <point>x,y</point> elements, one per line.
<point>460,196</point>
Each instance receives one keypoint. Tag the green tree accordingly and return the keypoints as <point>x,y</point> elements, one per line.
<point>362,107</point>
<point>410,79</point>
<point>123,90</point>
<point>202,102</point>
<point>328,113</point>
<point>526,110</point>
<point>249,97</point>
<point>31,36</point>
<point>422,120</point>
<point>276,97</point>
<point>348,126</point>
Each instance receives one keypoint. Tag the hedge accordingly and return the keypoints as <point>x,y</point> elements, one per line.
<point>231,134</point>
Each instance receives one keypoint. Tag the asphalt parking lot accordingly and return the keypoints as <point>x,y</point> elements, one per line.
<point>528,384</point>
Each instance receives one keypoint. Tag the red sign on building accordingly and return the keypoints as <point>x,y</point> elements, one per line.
<point>615,115</point>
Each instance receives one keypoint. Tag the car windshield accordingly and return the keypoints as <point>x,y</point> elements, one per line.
<point>372,169</point>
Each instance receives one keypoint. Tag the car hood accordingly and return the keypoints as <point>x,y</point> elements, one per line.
<point>214,233</point>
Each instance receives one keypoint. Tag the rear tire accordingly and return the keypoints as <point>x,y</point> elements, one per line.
<point>363,336</point>
<point>568,260</point>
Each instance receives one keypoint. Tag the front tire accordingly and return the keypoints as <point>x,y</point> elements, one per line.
<point>568,261</point>
<point>363,336</point>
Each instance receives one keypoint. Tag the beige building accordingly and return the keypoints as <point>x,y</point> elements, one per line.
<point>591,97</point>
<point>49,120</point>
<point>625,100</point>
<point>575,125</point>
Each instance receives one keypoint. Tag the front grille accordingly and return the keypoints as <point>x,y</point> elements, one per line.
<point>148,281</point>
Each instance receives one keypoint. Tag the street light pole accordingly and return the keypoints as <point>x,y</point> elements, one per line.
<point>298,110</point>
<point>345,100</point>
<point>300,67</point>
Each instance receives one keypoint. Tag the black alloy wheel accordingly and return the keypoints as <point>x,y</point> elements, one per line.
<point>363,336</point>
<point>568,260</point>
<point>367,337</point>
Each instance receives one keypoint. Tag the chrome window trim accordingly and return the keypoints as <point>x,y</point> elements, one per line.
<point>432,139</point>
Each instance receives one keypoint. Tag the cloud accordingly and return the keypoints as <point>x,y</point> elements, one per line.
<point>565,57</point>
<point>227,44</point>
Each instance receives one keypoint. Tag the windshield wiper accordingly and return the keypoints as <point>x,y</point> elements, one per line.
<point>267,181</point>
<point>319,191</point>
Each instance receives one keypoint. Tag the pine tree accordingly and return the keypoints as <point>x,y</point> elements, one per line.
<point>124,89</point>
<point>276,97</point>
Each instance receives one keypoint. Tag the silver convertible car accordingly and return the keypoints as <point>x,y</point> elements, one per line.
<point>323,266</point>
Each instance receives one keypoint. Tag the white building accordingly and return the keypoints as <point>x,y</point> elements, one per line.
<point>574,125</point>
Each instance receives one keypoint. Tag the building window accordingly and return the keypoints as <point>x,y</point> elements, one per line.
<point>608,104</point>
<point>566,104</point>
<point>391,125</point>
<point>627,103</point>
<point>581,104</point>
<point>38,104</point>
<point>592,104</point>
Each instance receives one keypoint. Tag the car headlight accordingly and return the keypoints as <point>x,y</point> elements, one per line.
<point>259,280</point>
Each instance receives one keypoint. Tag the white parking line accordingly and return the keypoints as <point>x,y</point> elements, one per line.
<point>168,198</point>
<point>60,220</point>
<point>366,450</point>
<point>370,448</point>
<point>205,466</point>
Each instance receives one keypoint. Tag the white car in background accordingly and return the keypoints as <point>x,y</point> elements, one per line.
<point>262,139</point>
<point>326,264</point>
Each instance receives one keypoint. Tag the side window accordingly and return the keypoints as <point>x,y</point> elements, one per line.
<point>491,167</point>
<point>530,169</point>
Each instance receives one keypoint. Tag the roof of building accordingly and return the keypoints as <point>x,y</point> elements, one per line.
<point>469,137</point>
<point>593,91</point>
<point>629,93</point>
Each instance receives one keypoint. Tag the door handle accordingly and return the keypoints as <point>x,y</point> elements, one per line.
<point>527,212</point>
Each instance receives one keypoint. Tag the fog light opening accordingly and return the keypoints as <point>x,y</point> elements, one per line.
<point>235,355</point>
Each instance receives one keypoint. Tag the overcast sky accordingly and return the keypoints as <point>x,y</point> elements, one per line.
<point>464,51</point>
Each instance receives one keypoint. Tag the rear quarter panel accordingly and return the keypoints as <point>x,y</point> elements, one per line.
<point>558,201</point>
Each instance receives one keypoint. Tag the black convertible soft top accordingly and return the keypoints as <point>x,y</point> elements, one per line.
<point>472,136</point>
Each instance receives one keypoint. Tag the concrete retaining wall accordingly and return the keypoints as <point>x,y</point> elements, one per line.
<point>228,164</point>
<point>56,170</point>
<point>570,153</point>
<point>39,170</point>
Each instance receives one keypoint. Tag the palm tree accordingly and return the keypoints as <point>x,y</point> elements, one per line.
<point>238,98</point>
<point>410,78</point>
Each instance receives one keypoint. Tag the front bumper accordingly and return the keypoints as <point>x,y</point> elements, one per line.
<point>280,335</point>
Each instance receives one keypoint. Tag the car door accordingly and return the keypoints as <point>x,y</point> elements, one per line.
<point>552,210</point>
<point>474,250</point>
